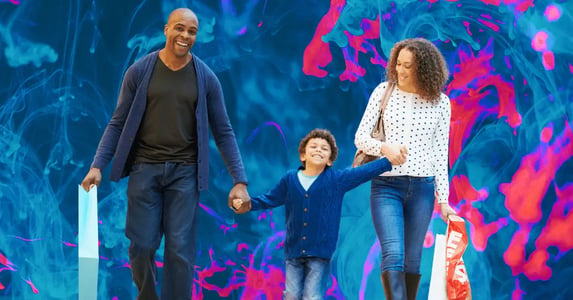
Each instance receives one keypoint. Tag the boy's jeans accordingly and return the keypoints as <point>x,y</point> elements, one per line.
<point>306,278</point>
<point>402,208</point>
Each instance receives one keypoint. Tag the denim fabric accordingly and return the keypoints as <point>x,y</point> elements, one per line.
<point>401,209</point>
<point>162,200</point>
<point>306,278</point>
<point>313,217</point>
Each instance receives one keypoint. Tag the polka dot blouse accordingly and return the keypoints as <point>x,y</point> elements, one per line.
<point>423,126</point>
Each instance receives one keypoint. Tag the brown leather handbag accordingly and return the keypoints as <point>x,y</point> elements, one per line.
<point>360,157</point>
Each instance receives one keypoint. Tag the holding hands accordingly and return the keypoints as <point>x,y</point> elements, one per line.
<point>396,154</point>
<point>239,199</point>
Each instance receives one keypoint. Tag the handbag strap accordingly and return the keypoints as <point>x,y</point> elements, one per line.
<point>384,103</point>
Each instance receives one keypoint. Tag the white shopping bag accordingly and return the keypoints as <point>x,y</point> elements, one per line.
<point>88,252</point>
<point>438,279</point>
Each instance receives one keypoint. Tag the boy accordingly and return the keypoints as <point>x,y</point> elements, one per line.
<point>312,196</point>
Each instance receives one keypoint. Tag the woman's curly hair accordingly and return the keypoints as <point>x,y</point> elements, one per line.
<point>429,66</point>
<point>321,134</point>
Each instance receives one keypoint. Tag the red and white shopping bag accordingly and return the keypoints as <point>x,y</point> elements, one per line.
<point>449,279</point>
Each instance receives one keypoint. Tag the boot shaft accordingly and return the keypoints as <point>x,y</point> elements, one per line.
<point>412,284</point>
<point>394,283</point>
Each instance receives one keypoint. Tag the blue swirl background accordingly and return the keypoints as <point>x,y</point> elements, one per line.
<point>61,66</point>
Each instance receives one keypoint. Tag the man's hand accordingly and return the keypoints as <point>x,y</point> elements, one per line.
<point>92,178</point>
<point>239,191</point>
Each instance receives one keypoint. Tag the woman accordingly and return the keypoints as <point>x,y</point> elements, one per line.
<point>416,121</point>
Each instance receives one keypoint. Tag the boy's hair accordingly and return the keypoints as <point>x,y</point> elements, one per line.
<point>320,134</point>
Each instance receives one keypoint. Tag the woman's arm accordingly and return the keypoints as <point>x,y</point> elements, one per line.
<point>363,138</point>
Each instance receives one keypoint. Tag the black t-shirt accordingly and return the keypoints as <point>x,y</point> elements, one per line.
<point>168,131</point>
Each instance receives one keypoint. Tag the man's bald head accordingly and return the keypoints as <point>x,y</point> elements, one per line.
<point>179,13</point>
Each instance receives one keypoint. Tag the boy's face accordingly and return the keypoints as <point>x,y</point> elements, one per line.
<point>317,153</point>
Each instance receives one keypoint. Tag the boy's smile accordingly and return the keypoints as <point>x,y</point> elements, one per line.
<point>318,155</point>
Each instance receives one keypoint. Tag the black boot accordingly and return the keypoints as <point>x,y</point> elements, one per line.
<point>412,283</point>
<point>394,283</point>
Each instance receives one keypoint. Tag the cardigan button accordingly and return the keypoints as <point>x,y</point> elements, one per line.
<point>304,224</point>
<point>306,195</point>
<point>304,237</point>
<point>305,209</point>
<point>303,251</point>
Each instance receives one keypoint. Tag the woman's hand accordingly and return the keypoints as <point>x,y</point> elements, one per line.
<point>446,210</point>
<point>396,154</point>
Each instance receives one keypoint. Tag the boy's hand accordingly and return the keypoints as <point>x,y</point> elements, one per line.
<point>241,206</point>
<point>237,203</point>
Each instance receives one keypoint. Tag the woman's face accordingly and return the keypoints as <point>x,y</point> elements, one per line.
<point>405,71</point>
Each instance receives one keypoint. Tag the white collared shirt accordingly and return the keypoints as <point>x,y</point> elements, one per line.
<point>422,126</point>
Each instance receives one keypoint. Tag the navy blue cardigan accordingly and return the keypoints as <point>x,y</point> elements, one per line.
<point>121,130</point>
<point>313,216</point>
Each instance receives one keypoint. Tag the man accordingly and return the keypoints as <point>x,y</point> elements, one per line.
<point>158,135</point>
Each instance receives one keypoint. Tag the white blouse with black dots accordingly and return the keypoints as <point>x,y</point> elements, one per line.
<point>423,126</point>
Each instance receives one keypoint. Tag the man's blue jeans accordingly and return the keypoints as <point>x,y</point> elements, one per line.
<point>162,200</point>
<point>402,208</point>
<point>306,278</point>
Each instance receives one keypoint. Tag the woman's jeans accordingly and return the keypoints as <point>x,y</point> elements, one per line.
<point>162,200</point>
<point>306,278</point>
<point>402,208</point>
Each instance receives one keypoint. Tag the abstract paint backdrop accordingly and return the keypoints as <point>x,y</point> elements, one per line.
<point>287,67</point>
